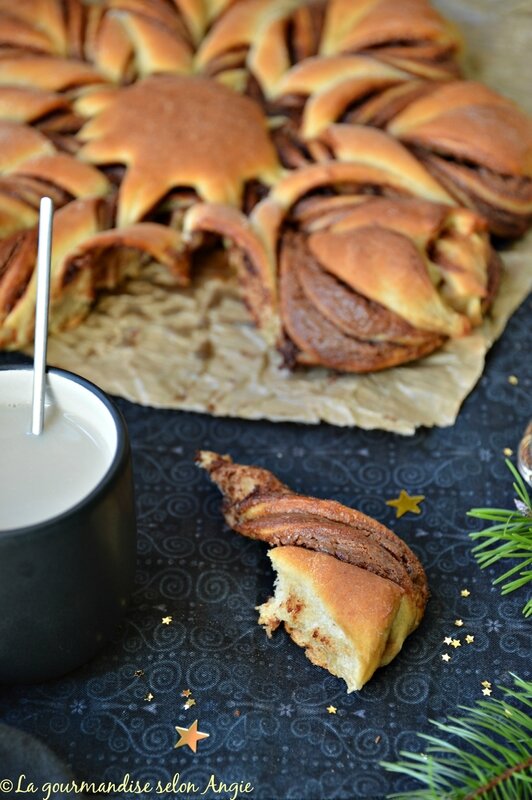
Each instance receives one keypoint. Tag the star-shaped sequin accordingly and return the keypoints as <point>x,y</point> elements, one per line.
<point>469,639</point>
<point>149,697</point>
<point>446,657</point>
<point>189,703</point>
<point>190,736</point>
<point>465,592</point>
<point>456,643</point>
<point>139,673</point>
<point>332,709</point>
<point>405,503</point>
<point>486,691</point>
<point>447,640</point>
<point>459,623</point>
<point>486,684</point>
<point>167,620</point>
<point>186,693</point>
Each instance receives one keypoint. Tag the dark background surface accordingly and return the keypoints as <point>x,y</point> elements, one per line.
<point>262,703</point>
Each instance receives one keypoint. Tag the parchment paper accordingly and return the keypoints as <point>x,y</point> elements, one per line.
<point>197,349</point>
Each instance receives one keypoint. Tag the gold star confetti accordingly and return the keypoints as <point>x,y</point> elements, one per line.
<point>513,379</point>
<point>459,623</point>
<point>186,693</point>
<point>446,657</point>
<point>465,592</point>
<point>508,452</point>
<point>405,503</point>
<point>447,640</point>
<point>167,620</point>
<point>469,639</point>
<point>456,643</point>
<point>331,709</point>
<point>190,702</point>
<point>486,691</point>
<point>190,736</point>
<point>486,684</point>
<point>139,673</point>
<point>149,697</point>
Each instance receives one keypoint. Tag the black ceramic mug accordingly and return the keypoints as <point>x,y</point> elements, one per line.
<point>67,526</point>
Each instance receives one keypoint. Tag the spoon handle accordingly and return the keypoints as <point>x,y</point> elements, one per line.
<point>44,251</point>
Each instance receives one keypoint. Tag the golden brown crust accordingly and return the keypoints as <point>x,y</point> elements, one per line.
<point>85,260</point>
<point>426,263</point>
<point>270,36</point>
<point>26,104</point>
<point>34,25</point>
<point>186,150</point>
<point>347,590</point>
<point>365,282</point>
<point>49,73</point>
<point>72,224</point>
<point>259,506</point>
<point>351,312</point>
<point>17,258</point>
<point>471,122</point>
<point>15,214</point>
<point>330,85</point>
<point>235,483</point>
<point>257,31</point>
<point>186,115</point>
<point>131,40</point>
<point>370,147</point>
<point>478,145</point>
<point>255,268</point>
<point>354,25</point>
<point>349,620</point>
<point>18,143</point>
<point>505,201</point>
<point>322,342</point>
<point>72,175</point>
<point>159,242</point>
<point>387,268</point>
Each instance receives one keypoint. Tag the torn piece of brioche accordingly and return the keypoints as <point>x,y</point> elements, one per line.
<point>348,590</point>
<point>349,620</point>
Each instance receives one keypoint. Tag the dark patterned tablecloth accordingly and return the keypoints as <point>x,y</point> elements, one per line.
<point>262,703</point>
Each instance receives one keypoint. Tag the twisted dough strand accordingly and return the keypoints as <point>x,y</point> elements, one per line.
<point>257,505</point>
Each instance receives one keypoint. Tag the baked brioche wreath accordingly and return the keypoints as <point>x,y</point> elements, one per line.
<point>331,145</point>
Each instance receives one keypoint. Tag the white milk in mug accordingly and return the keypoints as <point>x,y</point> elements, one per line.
<point>43,476</point>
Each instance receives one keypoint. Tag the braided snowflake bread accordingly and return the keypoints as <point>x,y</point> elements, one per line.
<point>361,262</point>
<point>348,590</point>
<point>329,144</point>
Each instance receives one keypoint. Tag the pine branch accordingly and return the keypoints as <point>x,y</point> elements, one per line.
<point>485,754</point>
<point>510,538</point>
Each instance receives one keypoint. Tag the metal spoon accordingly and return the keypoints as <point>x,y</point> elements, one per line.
<point>42,302</point>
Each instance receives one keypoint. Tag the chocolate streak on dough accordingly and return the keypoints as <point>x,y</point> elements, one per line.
<point>471,185</point>
<point>257,505</point>
<point>351,312</point>
<point>322,342</point>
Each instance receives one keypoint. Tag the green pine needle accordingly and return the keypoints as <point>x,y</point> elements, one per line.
<point>488,758</point>
<point>509,538</point>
